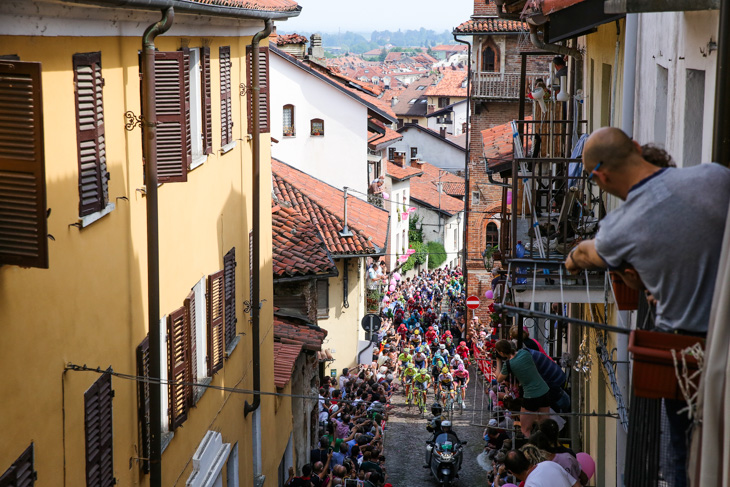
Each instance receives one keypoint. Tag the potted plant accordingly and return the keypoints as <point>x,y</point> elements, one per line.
<point>489,256</point>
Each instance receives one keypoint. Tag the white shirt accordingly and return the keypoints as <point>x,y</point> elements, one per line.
<point>549,474</point>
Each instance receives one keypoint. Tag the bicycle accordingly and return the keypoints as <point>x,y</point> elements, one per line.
<point>421,400</point>
<point>460,398</point>
<point>409,397</point>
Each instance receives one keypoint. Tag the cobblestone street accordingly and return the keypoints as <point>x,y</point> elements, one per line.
<point>405,444</point>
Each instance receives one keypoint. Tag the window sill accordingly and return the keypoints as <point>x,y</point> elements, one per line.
<point>87,220</point>
<point>228,147</point>
<point>232,346</point>
<point>325,317</point>
<point>198,391</point>
<point>289,136</point>
<point>316,135</point>
<point>198,160</point>
<point>166,439</point>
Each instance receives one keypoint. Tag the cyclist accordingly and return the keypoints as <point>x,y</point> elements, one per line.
<point>415,339</point>
<point>455,362</point>
<point>421,381</point>
<point>461,376</point>
<point>408,374</point>
<point>431,335</point>
<point>463,350</point>
<point>420,357</point>
<point>443,350</point>
<point>403,332</point>
<point>446,384</point>
<point>438,364</point>
<point>404,358</point>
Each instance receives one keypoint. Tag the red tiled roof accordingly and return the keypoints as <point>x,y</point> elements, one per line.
<point>323,205</point>
<point>373,52</point>
<point>264,5</point>
<point>458,139</point>
<point>404,107</point>
<point>290,331</point>
<point>451,84</point>
<point>492,24</point>
<point>298,248</point>
<point>454,189</point>
<point>397,172</point>
<point>285,356</point>
<point>424,58</point>
<point>425,189</point>
<point>449,47</point>
<point>497,143</point>
<point>393,56</point>
<point>377,139</point>
<point>290,39</point>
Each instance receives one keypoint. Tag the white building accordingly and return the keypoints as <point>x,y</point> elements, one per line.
<point>451,119</point>
<point>424,144</point>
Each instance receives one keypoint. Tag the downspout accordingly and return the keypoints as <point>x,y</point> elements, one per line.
<point>490,175</point>
<point>565,51</point>
<point>721,136</point>
<point>256,231</point>
<point>629,85</point>
<point>466,171</point>
<point>153,243</point>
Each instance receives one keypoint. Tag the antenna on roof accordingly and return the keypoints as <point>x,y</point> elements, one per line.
<point>346,231</point>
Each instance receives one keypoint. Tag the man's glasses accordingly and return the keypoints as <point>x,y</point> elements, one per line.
<point>590,174</point>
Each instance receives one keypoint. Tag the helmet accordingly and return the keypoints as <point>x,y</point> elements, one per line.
<point>463,344</point>
<point>424,371</point>
<point>445,370</point>
<point>430,328</point>
<point>461,366</point>
<point>442,346</point>
<point>436,409</point>
<point>410,365</point>
<point>445,424</point>
<point>448,332</point>
<point>417,332</point>
<point>438,360</point>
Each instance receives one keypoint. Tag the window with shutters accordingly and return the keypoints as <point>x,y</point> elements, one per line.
<point>216,321</point>
<point>93,174</point>
<point>99,433</point>
<point>323,298</point>
<point>229,272</point>
<point>23,226</point>
<point>391,153</point>
<point>288,128</point>
<point>263,106</point>
<point>317,127</point>
<point>196,308</point>
<point>224,57</point>
<point>178,371</point>
<point>198,92</point>
<point>174,152</point>
<point>21,473</point>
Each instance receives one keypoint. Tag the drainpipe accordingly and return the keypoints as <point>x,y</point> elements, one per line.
<point>256,232</point>
<point>538,43</point>
<point>466,170</point>
<point>490,175</point>
<point>153,244</point>
<point>629,85</point>
<point>721,136</point>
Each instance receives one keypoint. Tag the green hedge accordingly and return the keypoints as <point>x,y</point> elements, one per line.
<point>436,254</point>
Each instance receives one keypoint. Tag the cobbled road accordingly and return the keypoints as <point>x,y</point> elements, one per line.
<point>405,444</point>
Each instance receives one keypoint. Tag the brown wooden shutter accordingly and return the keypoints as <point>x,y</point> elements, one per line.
<point>99,433</point>
<point>173,148</point>
<point>216,316</point>
<point>177,354</point>
<point>23,226</point>
<point>21,473</point>
<point>93,176</point>
<point>192,334</point>
<point>263,108</point>
<point>206,101</point>
<point>188,133</point>
<point>224,55</point>
<point>143,402</point>
<point>229,270</point>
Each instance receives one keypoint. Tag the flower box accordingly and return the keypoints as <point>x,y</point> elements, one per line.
<point>627,299</point>
<point>654,376</point>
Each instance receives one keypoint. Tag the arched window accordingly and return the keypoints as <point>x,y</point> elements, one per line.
<point>492,237</point>
<point>288,121</point>
<point>489,59</point>
<point>317,127</point>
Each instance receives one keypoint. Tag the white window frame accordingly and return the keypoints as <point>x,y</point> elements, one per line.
<point>474,198</point>
<point>196,109</point>
<point>165,400</point>
<point>201,330</point>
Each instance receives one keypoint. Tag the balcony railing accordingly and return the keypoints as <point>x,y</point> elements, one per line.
<point>500,86</point>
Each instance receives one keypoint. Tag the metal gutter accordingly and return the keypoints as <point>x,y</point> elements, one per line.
<point>278,280</point>
<point>153,244</point>
<point>631,29</point>
<point>256,231</point>
<point>190,7</point>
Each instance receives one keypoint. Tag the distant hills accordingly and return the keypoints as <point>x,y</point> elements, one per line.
<point>357,43</point>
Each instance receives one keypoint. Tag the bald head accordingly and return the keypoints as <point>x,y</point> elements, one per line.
<point>612,148</point>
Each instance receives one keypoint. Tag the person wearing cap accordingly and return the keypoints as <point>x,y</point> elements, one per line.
<point>408,374</point>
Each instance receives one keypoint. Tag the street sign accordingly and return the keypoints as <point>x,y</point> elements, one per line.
<point>472,302</point>
<point>371,324</point>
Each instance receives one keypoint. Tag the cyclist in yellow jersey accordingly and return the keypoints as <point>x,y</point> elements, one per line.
<point>403,359</point>
<point>408,374</point>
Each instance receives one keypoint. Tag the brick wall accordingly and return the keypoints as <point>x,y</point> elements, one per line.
<point>485,7</point>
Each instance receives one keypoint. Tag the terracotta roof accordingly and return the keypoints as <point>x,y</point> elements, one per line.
<point>413,126</point>
<point>264,5</point>
<point>292,331</point>
<point>425,189</point>
<point>323,205</point>
<point>397,172</point>
<point>373,52</point>
<point>497,143</point>
<point>290,39</point>
<point>492,24</point>
<point>454,189</point>
<point>285,356</point>
<point>377,140</point>
<point>449,47</point>
<point>458,139</point>
<point>424,58</point>
<point>450,84</point>
<point>298,248</point>
<point>404,107</point>
<point>393,56</point>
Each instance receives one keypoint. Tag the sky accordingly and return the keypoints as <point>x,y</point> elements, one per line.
<point>329,16</point>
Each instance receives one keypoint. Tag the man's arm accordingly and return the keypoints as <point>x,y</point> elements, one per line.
<point>584,256</point>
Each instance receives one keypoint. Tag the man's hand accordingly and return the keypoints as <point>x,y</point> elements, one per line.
<point>584,256</point>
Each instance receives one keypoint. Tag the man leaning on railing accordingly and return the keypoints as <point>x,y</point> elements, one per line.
<point>665,237</point>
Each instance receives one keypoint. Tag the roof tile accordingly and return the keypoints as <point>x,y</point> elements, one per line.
<point>450,84</point>
<point>492,24</point>
<point>425,189</point>
<point>299,249</point>
<point>285,356</point>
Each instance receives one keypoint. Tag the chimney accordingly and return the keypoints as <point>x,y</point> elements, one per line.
<point>394,101</point>
<point>399,159</point>
<point>442,132</point>
<point>416,163</point>
<point>316,51</point>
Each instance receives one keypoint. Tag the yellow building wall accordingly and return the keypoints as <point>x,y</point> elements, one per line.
<point>90,306</point>
<point>601,54</point>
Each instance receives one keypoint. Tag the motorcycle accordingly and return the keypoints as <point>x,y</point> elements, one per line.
<point>446,454</point>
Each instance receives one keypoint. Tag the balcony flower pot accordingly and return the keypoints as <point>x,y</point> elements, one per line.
<point>626,298</point>
<point>653,370</point>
